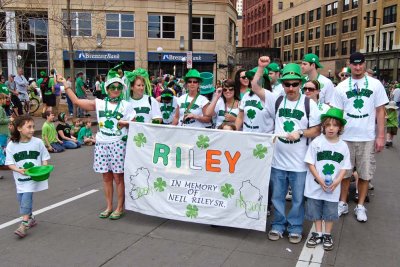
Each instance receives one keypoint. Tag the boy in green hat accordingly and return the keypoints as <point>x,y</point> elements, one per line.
<point>328,158</point>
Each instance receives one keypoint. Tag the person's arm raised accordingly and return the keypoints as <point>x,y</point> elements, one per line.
<point>85,104</point>
<point>257,82</point>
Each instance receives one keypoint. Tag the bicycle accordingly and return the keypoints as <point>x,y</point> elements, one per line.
<point>32,106</point>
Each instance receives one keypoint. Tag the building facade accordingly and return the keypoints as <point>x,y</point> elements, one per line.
<point>147,34</point>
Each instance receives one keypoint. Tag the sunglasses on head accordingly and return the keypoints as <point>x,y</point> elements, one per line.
<point>310,89</point>
<point>286,84</point>
<point>244,77</point>
<point>115,88</point>
<point>192,81</point>
<point>226,89</point>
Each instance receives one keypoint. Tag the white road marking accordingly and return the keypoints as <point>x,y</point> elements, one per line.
<point>310,257</point>
<point>4,225</point>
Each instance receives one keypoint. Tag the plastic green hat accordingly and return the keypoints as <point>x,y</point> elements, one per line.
<point>312,58</point>
<point>193,73</point>
<point>39,173</point>
<point>207,85</point>
<point>292,71</point>
<point>274,67</point>
<point>334,113</point>
<point>113,77</point>
<point>250,73</point>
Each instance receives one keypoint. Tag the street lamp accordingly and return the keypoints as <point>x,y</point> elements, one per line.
<point>378,31</point>
<point>183,65</point>
<point>159,50</point>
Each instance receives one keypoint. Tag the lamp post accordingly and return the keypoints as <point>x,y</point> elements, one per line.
<point>183,65</point>
<point>159,50</point>
<point>378,39</point>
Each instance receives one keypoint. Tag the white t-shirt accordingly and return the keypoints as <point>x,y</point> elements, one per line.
<point>258,116</point>
<point>289,156</point>
<point>196,109</point>
<point>396,95</point>
<point>145,112</point>
<point>329,159</point>
<point>322,107</point>
<point>108,120</point>
<point>221,109</point>
<point>97,86</point>
<point>25,155</point>
<point>278,90</point>
<point>360,109</point>
<point>168,110</point>
<point>327,89</point>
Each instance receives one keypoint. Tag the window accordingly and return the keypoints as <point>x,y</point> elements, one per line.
<point>327,30</point>
<point>333,30</point>
<point>163,26</point>
<point>344,48</point>
<point>389,14</point>
<point>288,24</point>
<point>303,19</point>
<point>280,5</point>
<point>374,17</point>
<point>346,5</point>
<point>326,50</point>
<point>317,33</point>
<point>335,7</point>
<point>384,41</point>
<point>311,16</point>
<point>208,30</point>
<point>328,10</point>
<point>296,21</point>
<point>391,34</point>
<point>296,54</point>
<point>317,50</point>
<point>318,13</point>
<point>81,23</point>
<point>368,18</point>
<point>310,34</point>
<point>355,4</point>
<point>345,26</point>
<point>353,23</point>
<point>302,36</point>
<point>333,49</point>
<point>309,50</point>
<point>296,37</point>
<point>353,46</point>
<point>301,52</point>
<point>119,25</point>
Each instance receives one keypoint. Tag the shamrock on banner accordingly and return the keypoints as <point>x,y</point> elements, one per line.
<point>202,142</point>
<point>140,139</point>
<point>260,151</point>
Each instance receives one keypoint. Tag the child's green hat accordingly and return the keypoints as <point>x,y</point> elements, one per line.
<point>39,173</point>
<point>334,113</point>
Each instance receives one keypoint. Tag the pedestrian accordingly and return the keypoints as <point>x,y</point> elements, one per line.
<point>49,134</point>
<point>113,116</point>
<point>391,122</point>
<point>69,102</point>
<point>64,133</point>
<point>25,151</point>
<point>22,87</point>
<point>274,73</point>
<point>12,87</point>
<point>312,89</point>
<point>4,131</point>
<point>328,158</point>
<point>168,106</point>
<point>85,135</point>
<point>242,83</point>
<point>49,97</point>
<point>396,98</point>
<point>80,90</point>
<point>4,90</point>
<point>363,100</point>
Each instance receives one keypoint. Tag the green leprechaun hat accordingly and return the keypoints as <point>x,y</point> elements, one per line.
<point>207,85</point>
<point>113,77</point>
<point>334,113</point>
<point>292,71</point>
<point>250,73</point>
<point>312,58</point>
<point>39,173</point>
<point>193,73</point>
<point>274,67</point>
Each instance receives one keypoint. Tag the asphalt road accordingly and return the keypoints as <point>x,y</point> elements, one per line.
<point>71,234</point>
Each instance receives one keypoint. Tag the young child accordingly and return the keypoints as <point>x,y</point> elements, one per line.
<point>4,131</point>
<point>391,123</point>
<point>49,134</point>
<point>328,158</point>
<point>77,124</point>
<point>227,126</point>
<point>25,151</point>
<point>85,135</point>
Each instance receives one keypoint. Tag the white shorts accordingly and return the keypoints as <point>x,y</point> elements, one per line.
<point>109,157</point>
<point>23,96</point>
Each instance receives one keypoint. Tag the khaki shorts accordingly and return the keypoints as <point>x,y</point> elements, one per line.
<point>362,156</point>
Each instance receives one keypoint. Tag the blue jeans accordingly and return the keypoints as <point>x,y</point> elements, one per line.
<point>280,183</point>
<point>57,147</point>
<point>25,203</point>
<point>70,105</point>
<point>71,145</point>
<point>81,111</point>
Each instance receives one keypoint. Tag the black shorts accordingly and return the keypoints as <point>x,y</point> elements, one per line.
<point>49,100</point>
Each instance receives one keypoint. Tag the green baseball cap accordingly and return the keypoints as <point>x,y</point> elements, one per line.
<point>312,58</point>
<point>292,71</point>
<point>274,67</point>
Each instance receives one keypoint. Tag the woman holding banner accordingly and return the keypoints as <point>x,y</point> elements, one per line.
<point>192,105</point>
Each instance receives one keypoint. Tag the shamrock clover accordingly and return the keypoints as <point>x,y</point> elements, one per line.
<point>140,139</point>
<point>160,184</point>
<point>140,119</point>
<point>202,142</point>
<point>358,103</point>
<point>251,114</point>
<point>28,165</point>
<point>328,169</point>
<point>288,126</point>
<point>165,116</point>
<point>192,211</point>
<point>227,191</point>
<point>260,151</point>
<point>109,124</point>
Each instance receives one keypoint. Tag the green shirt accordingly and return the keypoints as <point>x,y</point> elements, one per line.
<point>103,88</point>
<point>4,120</point>
<point>49,131</point>
<point>392,118</point>
<point>78,85</point>
<point>39,81</point>
<point>84,132</point>
<point>4,89</point>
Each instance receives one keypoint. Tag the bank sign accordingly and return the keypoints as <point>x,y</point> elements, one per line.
<point>81,55</point>
<point>177,57</point>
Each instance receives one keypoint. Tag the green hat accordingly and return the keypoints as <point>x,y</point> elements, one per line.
<point>312,58</point>
<point>334,113</point>
<point>250,73</point>
<point>207,85</point>
<point>292,71</point>
<point>274,67</point>
<point>39,173</point>
<point>193,73</point>
<point>43,73</point>
<point>113,77</point>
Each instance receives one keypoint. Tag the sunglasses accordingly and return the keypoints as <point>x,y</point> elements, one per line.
<point>291,84</point>
<point>230,89</point>
<point>244,77</point>
<point>115,88</point>
<point>310,89</point>
<point>344,75</point>
<point>193,81</point>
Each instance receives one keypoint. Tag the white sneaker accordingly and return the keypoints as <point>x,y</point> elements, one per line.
<point>343,208</point>
<point>360,212</point>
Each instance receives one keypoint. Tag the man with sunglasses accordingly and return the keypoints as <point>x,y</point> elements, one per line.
<point>363,100</point>
<point>293,127</point>
<point>309,67</point>
<point>344,74</point>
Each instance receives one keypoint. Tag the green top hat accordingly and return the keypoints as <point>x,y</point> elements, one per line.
<point>39,173</point>
<point>291,71</point>
<point>312,58</point>
<point>206,86</point>
<point>113,77</point>
<point>334,113</point>
<point>274,67</point>
<point>193,73</point>
<point>250,73</point>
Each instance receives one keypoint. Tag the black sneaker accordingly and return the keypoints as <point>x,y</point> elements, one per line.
<point>314,240</point>
<point>328,242</point>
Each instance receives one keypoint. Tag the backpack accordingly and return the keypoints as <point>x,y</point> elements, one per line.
<point>44,86</point>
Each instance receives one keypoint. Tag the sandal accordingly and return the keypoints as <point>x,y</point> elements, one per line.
<point>116,215</point>
<point>105,214</point>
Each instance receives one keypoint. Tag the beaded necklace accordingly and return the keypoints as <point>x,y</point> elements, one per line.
<point>113,114</point>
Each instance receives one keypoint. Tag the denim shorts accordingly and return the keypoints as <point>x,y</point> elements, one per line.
<point>317,209</point>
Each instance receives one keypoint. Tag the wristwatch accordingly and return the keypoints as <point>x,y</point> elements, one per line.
<point>301,133</point>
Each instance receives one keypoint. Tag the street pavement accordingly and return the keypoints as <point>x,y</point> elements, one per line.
<point>71,234</point>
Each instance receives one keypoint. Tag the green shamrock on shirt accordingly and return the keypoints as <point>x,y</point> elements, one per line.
<point>288,126</point>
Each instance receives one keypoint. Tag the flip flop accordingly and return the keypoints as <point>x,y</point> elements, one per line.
<point>105,214</point>
<point>116,215</point>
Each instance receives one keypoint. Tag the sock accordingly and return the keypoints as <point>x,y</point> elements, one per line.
<point>25,223</point>
<point>319,234</point>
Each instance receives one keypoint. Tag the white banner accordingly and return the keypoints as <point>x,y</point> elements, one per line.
<point>198,175</point>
